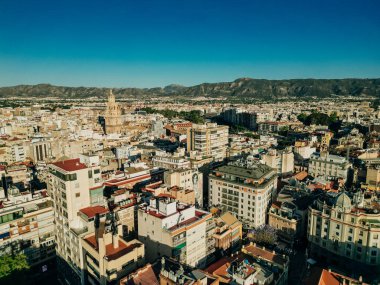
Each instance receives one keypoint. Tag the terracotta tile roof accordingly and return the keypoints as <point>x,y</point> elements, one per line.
<point>90,212</point>
<point>111,252</point>
<point>144,276</point>
<point>328,279</point>
<point>265,254</point>
<point>300,175</point>
<point>70,165</point>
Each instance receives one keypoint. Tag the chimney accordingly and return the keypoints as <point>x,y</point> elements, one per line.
<point>115,241</point>
<point>97,224</point>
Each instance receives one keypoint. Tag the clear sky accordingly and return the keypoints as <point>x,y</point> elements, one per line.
<point>146,43</point>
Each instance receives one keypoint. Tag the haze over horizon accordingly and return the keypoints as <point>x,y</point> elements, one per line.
<point>157,43</point>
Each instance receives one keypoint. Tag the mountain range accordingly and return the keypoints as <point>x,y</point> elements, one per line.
<point>242,87</point>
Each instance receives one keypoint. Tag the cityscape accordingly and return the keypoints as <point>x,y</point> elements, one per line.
<point>243,181</point>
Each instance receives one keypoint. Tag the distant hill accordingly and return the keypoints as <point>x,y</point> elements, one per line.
<point>242,87</point>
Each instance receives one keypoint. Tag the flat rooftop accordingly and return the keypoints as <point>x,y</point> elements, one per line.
<point>256,172</point>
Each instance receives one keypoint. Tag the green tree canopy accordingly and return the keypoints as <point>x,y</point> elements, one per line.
<point>13,269</point>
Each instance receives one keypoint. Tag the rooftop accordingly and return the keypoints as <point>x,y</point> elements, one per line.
<point>256,172</point>
<point>90,212</point>
<point>111,252</point>
<point>70,165</point>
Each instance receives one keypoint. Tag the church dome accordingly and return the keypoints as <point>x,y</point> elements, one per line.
<point>343,201</point>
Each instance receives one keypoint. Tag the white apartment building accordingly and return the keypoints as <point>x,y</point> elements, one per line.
<point>208,140</point>
<point>18,153</point>
<point>177,230</point>
<point>328,166</point>
<point>69,186</point>
<point>245,190</point>
<point>170,162</point>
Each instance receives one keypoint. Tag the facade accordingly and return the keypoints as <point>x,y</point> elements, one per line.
<point>208,140</point>
<point>245,190</point>
<point>283,218</point>
<point>41,150</point>
<point>176,230</point>
<point>27,226</point>
<point>170,162</point>
<point>345,231</point>
<point>112,116</point>
<point>69,186</point>
<point>18,153</point>
<point>187,179</point>
<point>329,166</point>
<point>282,161</point>
<point>228,231</point>
<point>107,257</point>
<point>303,149</point>
<point>238,117</point>
<point>373,177</point>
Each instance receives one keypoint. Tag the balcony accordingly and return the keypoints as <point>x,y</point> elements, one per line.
<point>177,242</point>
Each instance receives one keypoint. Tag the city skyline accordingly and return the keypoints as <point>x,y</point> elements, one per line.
<point>150,43</point>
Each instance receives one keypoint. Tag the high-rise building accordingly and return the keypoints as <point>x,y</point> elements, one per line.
<point>112,116</point>
<point>177,230</point>
<point>69,186</point>
<point>245,190</point>
<point>208,140</point>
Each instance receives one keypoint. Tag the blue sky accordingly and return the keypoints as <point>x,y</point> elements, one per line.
<point>146,43</point>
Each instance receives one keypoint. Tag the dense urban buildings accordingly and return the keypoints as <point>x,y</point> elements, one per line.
<point>126,193</point>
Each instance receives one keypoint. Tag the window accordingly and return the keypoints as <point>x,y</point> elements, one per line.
<point>77,195</point>
<point>350,230</point>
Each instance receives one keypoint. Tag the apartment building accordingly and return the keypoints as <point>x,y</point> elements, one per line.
<point>188,179</point>
<point>208,140</point>
<point>170,162</point>
<point>345,230</point>
<point>228,231</point>
<point>27,227</point>
<point>328,166</point>
<point>69,186</point>
<point>282,160</point>
<point>107,257</point>
<point>244,189</point>
<point>177,230</point>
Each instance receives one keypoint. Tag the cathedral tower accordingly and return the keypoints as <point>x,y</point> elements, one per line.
<point>113,115</point>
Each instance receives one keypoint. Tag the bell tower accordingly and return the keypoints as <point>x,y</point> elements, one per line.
<point>113,115</point>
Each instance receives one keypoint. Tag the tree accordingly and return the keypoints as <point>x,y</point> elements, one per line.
<point>264,234</point>
<point>13,269</point>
